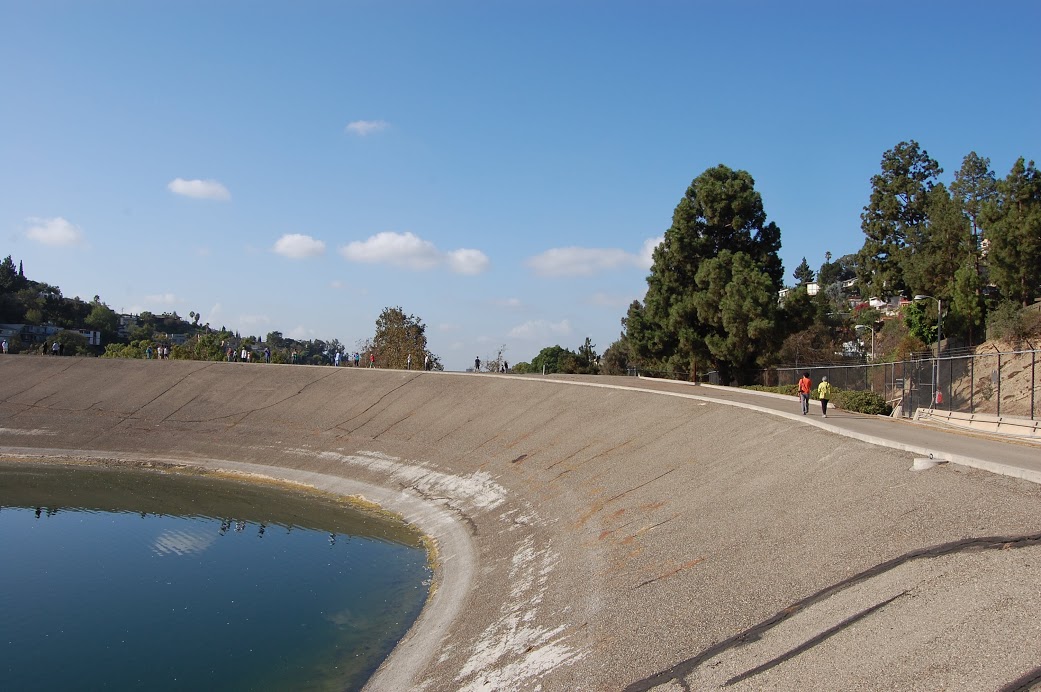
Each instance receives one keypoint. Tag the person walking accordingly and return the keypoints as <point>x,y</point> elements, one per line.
<point>477,364</point>
<point>824,393</point>
<point>4,346</point>
<point>408,362</point>
<point>805,387</point>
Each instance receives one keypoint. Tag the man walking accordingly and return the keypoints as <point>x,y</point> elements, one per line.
<point>805,387</point>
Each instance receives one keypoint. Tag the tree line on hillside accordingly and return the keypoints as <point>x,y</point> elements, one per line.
<point>28,303</point>
<point>712,294</point>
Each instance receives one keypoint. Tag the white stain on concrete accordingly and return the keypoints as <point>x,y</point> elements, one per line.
<point>513,650</point>
<point>476,490</point>
<point>19,431</point>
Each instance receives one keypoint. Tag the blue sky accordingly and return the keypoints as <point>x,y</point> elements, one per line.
<point>498,169</point>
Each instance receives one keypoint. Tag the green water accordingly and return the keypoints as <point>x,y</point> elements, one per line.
<point>127,580</point>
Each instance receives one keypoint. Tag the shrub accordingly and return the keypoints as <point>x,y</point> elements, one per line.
<point>862,402</point>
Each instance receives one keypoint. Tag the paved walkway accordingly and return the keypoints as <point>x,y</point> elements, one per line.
<point>989,452</point>
<point>1019,459</point>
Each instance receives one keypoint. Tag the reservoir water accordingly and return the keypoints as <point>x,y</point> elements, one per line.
<point>133,580</point>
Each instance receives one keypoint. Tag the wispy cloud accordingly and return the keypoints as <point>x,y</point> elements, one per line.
<point>508,303</point>
<point>537,330</point>
<point>56,232</point>
<point>363,128</point>
<point>584,261</point>
<point>607,300</point>
<point>161,299</point>
<point>409,251</point>
<point>199,189</point>
<point>254,320</point>
<point>299,246</point>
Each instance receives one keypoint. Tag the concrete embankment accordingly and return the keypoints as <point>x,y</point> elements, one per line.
<point>600,538</point>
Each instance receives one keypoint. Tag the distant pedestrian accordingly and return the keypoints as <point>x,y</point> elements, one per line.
<point>267,354</point>
<point>293,359</point>
<point>477,364</point>
<point>805,387</point>
<point>372,360</point>
<point>357,359</point>
<point>3,345</point>
<point>148,353</point>
<point>408,362</point>
<point>506,366</point>
<point>336,360</point>
<point>61,348</point>
<point>54,349</point>
<point>426,358</point>
<point>824,393</point>
<point>243,355</point>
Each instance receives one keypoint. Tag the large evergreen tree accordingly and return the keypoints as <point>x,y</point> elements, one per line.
<point>803,274</point>
<point>678,327</point>
<point>1013,226</point>
<point>894,221</point>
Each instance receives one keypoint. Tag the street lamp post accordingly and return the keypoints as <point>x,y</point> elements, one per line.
<point>936,362</point>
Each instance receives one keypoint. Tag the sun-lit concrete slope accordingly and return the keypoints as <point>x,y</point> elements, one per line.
<point>604,538</point>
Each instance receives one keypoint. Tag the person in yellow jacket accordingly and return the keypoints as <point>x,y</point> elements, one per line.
<point>824,393</point>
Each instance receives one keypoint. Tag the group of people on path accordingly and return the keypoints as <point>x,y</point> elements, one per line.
<point>823,393</point>
<point>504,366</point>
<point>161,352</point>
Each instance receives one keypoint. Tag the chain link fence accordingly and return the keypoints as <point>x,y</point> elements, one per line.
<point>996,384</point>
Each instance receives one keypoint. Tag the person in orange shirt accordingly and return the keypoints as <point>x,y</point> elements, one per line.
<point>805,387</point>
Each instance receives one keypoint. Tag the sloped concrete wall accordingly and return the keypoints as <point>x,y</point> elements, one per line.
<point>599,538</point>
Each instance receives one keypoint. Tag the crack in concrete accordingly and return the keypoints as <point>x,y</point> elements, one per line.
<point>371,406</point>
<point>1024,683</point>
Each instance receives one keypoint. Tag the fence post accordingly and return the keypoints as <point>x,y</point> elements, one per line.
<point>950,387</point>
<point>972,384</point>
<point>999,385</point>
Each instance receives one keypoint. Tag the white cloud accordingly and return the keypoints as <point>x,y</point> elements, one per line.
<point>56,231</point>
<point>585,261</point>
<point>647,251</point>
<point>412,252</point>
<point>200,189</point>
<point>336,283</point>
<point>300,333</point>
<point>298,246</point>
<point>366,127</point>
<point>540,329</point>
<point>161,299</point>
<point>448,327</point>
<point>508,303</point>
<point>467,261</point>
